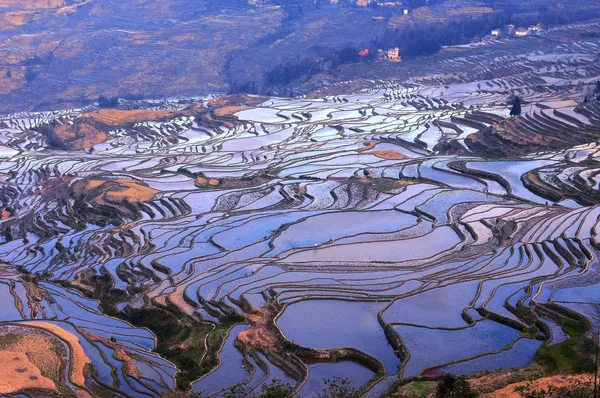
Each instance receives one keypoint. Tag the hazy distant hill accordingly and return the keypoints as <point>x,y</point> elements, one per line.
<point>68,52</point>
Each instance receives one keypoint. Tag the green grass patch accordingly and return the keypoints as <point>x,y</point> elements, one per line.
<point>417,389</point>
<point>574,355</point>
<point>574,328</point>
<point>8,339</point>
<point>181,340</point>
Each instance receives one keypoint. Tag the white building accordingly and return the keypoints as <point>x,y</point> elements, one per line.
<point>522,32</point>
<point>537,28</point>
<point>393,54</point>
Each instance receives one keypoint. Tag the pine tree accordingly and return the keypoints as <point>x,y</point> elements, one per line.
<point>516,108</point>
<point>597,90</point>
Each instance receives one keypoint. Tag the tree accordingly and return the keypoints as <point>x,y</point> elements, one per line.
<point>338,388</point>
<point>239,390</point>
<point>104,102</point>
<point>30,74</point>
<point>277,389</point>
<point>182,394</point>
<point>597,90</point>
<point>454,387</point>
<point>516,107</point>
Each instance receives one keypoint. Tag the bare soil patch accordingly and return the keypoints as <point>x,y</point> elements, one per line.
<point>79,360</point>
<point>18,373</point>
<point>117,117</point>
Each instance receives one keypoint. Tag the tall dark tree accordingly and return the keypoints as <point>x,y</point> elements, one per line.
<point>30,74</point>
<point>597,90</point>
<point>516,107</point>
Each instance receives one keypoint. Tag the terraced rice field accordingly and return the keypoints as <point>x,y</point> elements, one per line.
<point>348,232</point>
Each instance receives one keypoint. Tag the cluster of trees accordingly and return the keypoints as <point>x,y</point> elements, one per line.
<point>33,65</point>
<point>525,13</point>
<point>426,39</point>
<point>52,139</point>
<point>285,74</point>
<point>105,102</point>
<point>516,107</point>
<point>31,74</point>
<point>38,60</point>
<point>592,93</point>
<point>454,387</point>
<point>412,40</point>
<point>448,387</point>
<point>336,388</point>
<point>301,68</point>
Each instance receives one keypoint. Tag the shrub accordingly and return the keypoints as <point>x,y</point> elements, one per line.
<point>104,102</point>
<point>30,75</point>
<point>338,388</point>
<point>454,387</point>
<point>277,389</point>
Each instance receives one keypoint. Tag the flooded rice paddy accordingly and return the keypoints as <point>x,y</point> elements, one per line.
<point>364,231</point>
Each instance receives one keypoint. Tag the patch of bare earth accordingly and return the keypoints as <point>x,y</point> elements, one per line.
<point>543,383</point>
<point>117,117</point>
<point>81,136</point>
<point>18,373</point>
<point>79,360</point>
<point>389,154</point>
<point>130,190</point>
<point>203,182</point>
<point>99,190</point>
<point>244,100</point>
<point>41,351</point>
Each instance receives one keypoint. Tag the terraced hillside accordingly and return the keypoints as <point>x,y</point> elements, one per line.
<point>407,229</point>
<point>61,54</point>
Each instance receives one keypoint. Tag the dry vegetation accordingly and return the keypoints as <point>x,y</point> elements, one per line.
<point>114,190</point>
<point>185,58</point>
<point>202,181</point>
<point>93,128</point>
<point>117,117</point>
<point>31,4</point>
<point>511,390</point>
<point>40,350</point>
<point>227,105</point>
<point>80,136</point>
<point>18,373</point>
<point>19,13</point>
<point>435,14</point>
<point>79,361</point>
<point>388,154</point>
